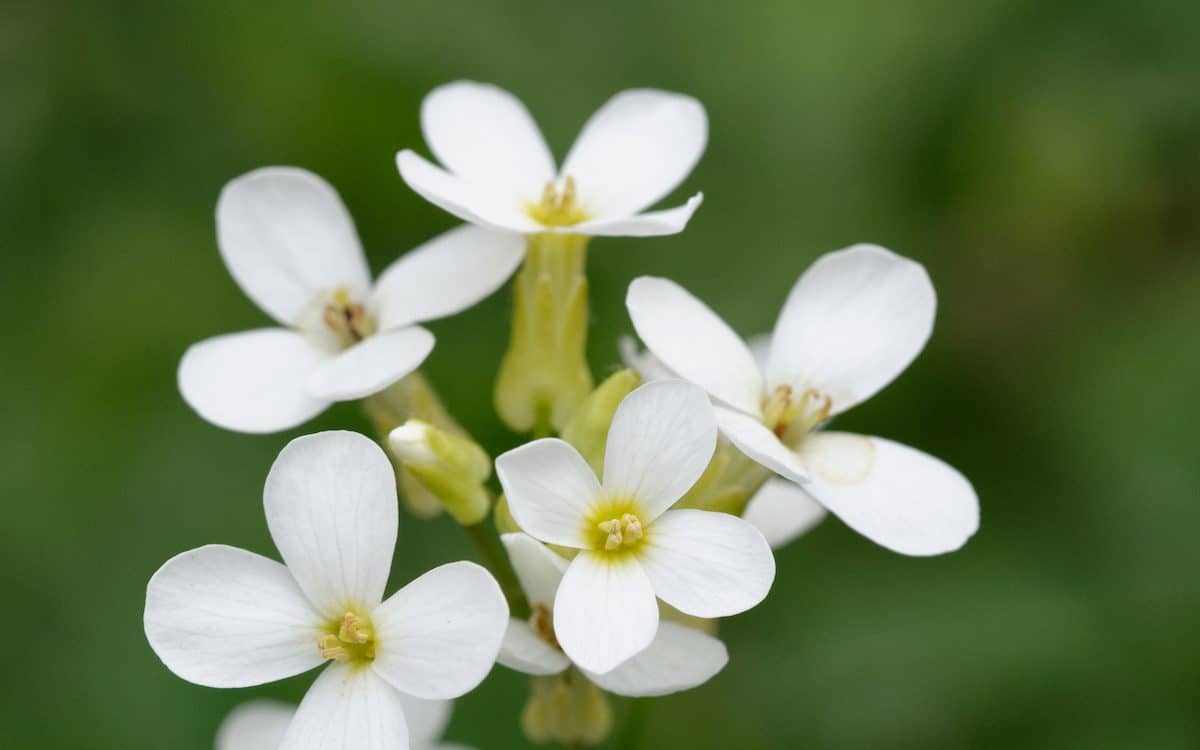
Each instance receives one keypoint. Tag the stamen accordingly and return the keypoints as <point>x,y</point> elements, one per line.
<point>543,624</point>
<point>335,321</point>
<point>352,641</point>
<point>792,418</point>
<point>623,531</point>
<point>558,208</point>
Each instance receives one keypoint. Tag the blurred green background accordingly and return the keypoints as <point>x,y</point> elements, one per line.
<point>1041,158</point>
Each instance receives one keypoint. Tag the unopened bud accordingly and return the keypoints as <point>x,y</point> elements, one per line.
<point>568,709</point>
<point>587,430</point>
<point>451,467</point>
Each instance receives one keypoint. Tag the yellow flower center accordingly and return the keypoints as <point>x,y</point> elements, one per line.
<point>791,417</point>
<point>557,208</point>
<point>616,527</point>
<point>349,639</point>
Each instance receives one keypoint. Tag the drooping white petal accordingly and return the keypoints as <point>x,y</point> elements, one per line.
<point>759,443</point>
<point>660,441</point>
<point>224,617</point>
<point>255,725</point>
<point>782,511</point>
<point>550,488</point>
<point>438,637</point>
<point>446,275</point>
<point>651,224</point>
<point>253,381</point>
<point>635,149</point>
<point>693,342</point>
<point>426,719</point>
<point>605,611</point>
<point>348,707</point>
<point>707,564</point>
<point>679,658</point>
<point>472,203</point>
<point>896,496</point>
<point>486,136</point>
<point>526,651</point>
<point>372,364</point>
<point>330,500</point>
<point>538,569</point>
<point>852,323</point>
<point>286,236</point>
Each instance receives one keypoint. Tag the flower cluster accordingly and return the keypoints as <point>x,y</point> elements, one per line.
<point>646,508</point>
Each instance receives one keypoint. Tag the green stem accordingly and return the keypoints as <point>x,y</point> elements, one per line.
<point>494,559</point>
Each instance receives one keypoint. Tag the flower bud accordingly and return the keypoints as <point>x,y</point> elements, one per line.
<point>568,709</point>
<point>544,374</point>
<point>451,467</point>
<point>587,430</point>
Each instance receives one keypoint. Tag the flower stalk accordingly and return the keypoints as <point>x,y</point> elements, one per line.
<point>544,374</point>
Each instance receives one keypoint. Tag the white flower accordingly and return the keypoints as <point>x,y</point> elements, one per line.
<point>679,657</point>
<point>224,617</point>
<point>291,246</point>
<point>779,509</point>
<point>851,324</point>
<point>499,173</point>
<point>262,724</point>
<point>632,548</point>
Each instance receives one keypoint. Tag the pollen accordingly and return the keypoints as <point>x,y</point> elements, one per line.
<point>558,207</point>
<point>352,640</point>
<point>792,417</point>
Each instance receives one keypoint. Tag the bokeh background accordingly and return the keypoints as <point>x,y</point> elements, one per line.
<point>1042,158</point>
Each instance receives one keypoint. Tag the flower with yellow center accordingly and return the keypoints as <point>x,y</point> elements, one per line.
<point>853,321</point>
<point>290,243</point>
<point>497,171</point>
<point>224,617</point>
<point>632,547</point>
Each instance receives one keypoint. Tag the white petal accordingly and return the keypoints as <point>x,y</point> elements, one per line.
<point>486,136</point>
<point>550,489</point>
<point>852,323</point>
<point>372,364</point>
<point>760,347</point>
<point>525,651</point>
<point>426,719</point>
<point>760,444</point>
<point>660,441</point>
<point>286,236</point>
<point>707,564</point>
<point>538,568</point>
<point>782,511</point>
<point>438,637</point>
<point>448,274</point>
<point>635,149</point>
<point>348,707</point>
<point>252,381</point>
<point>605,611</point>
<point>471,203</point>
<point>330,500</point>
<point>652,224</point>
<point>679,658</point>
<point>896,496</point>
<point>224,617</point>
<point>255,725</point>
<point>692,341</point>
<point>648,366</point>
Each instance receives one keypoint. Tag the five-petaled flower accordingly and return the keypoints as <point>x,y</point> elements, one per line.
<point>261,725</point>
<point>223,617</point>
<point>499,173</point>
<point>679,657</point>
<point>854,320</point>
<point>290,244</point>
<point>632,547</point>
